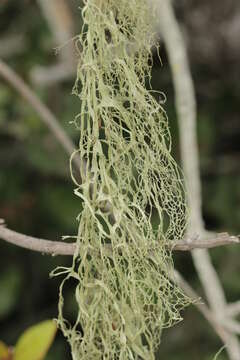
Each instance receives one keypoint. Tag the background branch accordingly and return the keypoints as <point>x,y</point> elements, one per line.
<point>234,309</point>
<point>186,111</point>
<point>201,306</point>
<point>44,113</point>
<point>12,44</point>
<point>60,21</point>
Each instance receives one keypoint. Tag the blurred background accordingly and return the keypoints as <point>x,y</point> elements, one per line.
<point>36,193</point>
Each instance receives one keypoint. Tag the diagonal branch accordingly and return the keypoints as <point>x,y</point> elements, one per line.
<point>201,306</point>
<point>234,309</point>
<point>44,113</point>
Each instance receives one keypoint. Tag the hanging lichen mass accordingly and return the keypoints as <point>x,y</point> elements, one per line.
<point>133,201</point>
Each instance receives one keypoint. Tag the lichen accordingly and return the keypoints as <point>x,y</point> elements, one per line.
<point>131,190</point>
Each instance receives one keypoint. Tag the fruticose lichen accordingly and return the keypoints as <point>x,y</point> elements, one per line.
<point>131,190</point>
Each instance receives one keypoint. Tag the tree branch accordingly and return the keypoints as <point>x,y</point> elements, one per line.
<point>63,248</point>
<point>36,244</point>
<point>219,239</point>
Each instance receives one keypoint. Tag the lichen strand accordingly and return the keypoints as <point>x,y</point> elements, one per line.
<point>132,193</point>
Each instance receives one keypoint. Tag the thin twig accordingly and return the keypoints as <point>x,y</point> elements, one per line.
<point>63,248</point>
<point>205,243</point>
<point>36,244</point>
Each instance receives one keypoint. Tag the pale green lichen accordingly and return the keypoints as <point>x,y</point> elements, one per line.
<point>132,193</point>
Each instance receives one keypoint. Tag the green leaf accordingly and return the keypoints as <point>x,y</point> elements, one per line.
<point>3,351</point>
<point>34,343</point>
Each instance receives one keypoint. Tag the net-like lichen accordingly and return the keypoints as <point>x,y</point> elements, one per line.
<point>131,190</point>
